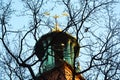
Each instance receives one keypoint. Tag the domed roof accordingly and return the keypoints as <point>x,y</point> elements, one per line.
<point>56,38</point>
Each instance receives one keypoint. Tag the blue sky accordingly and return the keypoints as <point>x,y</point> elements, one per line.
<point>18,21</point>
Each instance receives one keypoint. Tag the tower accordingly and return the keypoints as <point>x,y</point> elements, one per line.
<point>57,51</point>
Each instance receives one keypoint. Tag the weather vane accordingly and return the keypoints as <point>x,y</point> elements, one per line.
<point>56,27</point>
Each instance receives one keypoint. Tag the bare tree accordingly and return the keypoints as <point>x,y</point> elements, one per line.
<point>102,49</point>
<point>22,60</point>
<point>93,23</point>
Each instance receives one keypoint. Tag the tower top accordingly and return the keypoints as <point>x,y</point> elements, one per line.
<point>56,26</point>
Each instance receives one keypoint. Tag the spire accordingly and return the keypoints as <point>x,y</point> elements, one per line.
<point>56,27</point>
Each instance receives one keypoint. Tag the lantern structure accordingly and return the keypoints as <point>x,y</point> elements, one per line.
<point>57,51</point>
<point>56,48</point>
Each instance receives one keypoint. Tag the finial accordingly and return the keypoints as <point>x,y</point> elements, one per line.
<point>55,16</point>
<point>65,14</point>
<point>56,27</point>
<point>47,13</point>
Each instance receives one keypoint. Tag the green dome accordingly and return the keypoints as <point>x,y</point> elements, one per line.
<point>55,46</point>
